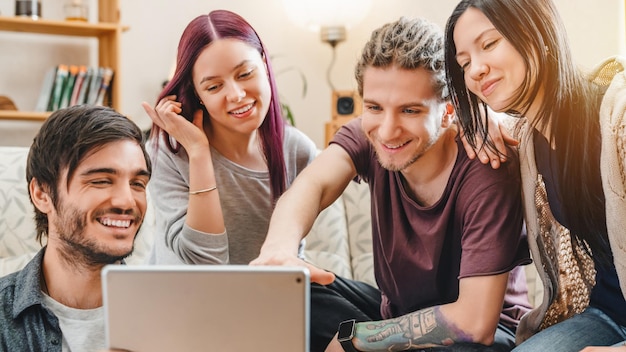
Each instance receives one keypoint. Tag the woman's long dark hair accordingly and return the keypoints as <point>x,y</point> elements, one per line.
<point>569,110</point>
<point>200,32</point>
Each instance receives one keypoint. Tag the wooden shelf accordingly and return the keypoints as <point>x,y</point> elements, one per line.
<point>107,31</point>
<point>69,28</point>
<point>23,115</point>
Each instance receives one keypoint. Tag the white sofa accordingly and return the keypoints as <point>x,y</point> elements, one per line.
<point>328,245</point>
<point>340,240</point>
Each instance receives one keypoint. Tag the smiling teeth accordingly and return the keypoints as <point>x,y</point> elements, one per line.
<point>115,223</point>
<point>394,146</point>
<point>243,109</point>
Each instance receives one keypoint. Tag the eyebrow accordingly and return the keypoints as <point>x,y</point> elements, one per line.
<point>112,171</point>
<point>418,104</point>
<point>478,38</point>
<point>208,78</point>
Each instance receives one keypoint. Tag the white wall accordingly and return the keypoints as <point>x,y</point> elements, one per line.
<point>596,30</point>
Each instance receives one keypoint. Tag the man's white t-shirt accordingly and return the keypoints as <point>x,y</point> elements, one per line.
<point>82,329</point>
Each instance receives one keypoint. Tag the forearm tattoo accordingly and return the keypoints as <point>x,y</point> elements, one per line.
<point>422,329</point>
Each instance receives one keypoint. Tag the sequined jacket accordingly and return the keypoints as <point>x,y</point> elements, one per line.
<point>567,272</point>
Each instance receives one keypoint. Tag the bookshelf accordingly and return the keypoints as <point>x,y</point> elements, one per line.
<point>108,32</point>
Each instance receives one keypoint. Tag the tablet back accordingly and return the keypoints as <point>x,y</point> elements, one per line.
<point>206,308</point>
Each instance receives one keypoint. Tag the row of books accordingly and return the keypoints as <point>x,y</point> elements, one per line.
<point>68,85</point>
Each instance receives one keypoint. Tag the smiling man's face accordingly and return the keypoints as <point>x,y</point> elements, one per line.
<point>101,210</point>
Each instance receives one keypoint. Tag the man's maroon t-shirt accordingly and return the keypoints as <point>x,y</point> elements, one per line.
<point>420,253</point>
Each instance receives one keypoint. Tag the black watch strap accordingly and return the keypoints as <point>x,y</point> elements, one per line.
<point>345,335</point>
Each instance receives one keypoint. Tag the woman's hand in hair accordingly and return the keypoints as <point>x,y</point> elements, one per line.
<point>499,134</point>
<point>167,116</point>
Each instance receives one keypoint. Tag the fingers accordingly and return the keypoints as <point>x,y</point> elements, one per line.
<point>508,139</point>
<point>317,275</point>
<point>495,162</point>
<point>151,113</point>
<point>489,157</point>
<point>320,276</point>
<point>169,105</point>
<point>166,113</point>
<point>483,156</point>
<point>469,150</point>
<point>166,106</point>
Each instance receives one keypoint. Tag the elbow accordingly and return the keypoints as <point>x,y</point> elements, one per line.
<point>483,334</point>
<point>485,339</point>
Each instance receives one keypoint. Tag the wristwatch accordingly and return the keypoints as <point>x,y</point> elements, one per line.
<point>345,335</point>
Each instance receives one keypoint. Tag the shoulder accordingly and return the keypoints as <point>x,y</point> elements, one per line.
<point>9,295</point>
<point>612,74</point>
<point>298,149</point>
<point>297,137</point>
<point>351,135</point>
<point>608,71</point>
<point>160,153</point>
<point>353,140</point>
<point>484,175</point>
<point>7,285</point>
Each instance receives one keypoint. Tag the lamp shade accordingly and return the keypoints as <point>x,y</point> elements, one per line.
<point>316,14</point>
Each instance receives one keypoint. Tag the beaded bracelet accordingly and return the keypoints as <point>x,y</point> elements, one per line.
<point>203,190</point>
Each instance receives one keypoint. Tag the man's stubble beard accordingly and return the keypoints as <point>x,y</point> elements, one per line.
<point>78,250</point>
<point>415,157</point>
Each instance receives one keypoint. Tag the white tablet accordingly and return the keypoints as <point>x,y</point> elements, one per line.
<point>206,308</point>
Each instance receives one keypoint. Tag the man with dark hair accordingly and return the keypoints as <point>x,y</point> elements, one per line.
<point>87,173</point>
<point>447,231</point>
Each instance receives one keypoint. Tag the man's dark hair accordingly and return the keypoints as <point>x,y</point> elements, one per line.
<point>65,139</point>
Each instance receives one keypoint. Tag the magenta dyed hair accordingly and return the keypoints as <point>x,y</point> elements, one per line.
<point>199,33</point>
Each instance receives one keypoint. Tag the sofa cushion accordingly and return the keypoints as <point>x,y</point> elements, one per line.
<point>327,244</point>
<point>341,237</point>
<point>356,199</point>
<point>17,228</point>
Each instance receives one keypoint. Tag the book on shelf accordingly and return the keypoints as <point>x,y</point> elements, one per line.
<point>78,84</point>
<point>84,89</point>
<point>107,76</point>
<point>94,86</point>
<point>68,85</point>
<point>57,89</point>
<point>46,90</point>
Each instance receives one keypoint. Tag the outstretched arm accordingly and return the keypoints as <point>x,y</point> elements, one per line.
<point>472,318</point>
<point>315,188</point>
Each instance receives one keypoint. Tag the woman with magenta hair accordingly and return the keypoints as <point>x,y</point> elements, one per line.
<point>222,151</point>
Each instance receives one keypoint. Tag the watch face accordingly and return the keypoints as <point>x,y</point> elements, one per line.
<point>346,330</point>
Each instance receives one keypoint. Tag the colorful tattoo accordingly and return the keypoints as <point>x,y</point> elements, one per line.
<point>422,329</point>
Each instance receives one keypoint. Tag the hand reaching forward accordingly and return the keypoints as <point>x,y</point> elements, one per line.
<point>318,275</point>
<point>166,115</point>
